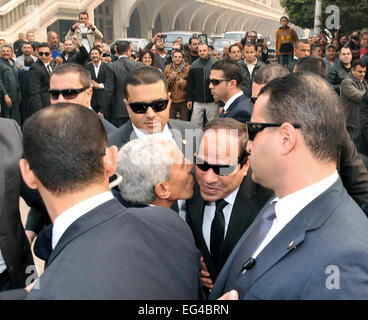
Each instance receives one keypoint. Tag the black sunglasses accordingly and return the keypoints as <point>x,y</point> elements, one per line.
<point>220,170</point>
<point>141,107</point>
<point>216,82</point>
<point>66,93</point>
<point>254,127</point>
<point>44,54</point>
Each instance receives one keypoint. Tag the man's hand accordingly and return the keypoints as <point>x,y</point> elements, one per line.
<point>19,66</point>
<point>205,276</point>
<point>89,25</point>
<point>101,115</point>
<point>75,26</point>
<point>59,60</point>
<point>8,101</point>
<point>231,295</point>
<point>156,37</point>
<point>76,41</point>
<point>189,105</point>
<point>95,85</point>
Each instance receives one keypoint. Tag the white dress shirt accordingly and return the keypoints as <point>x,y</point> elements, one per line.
<point>288,207</point>
<point>97,70</point>
<point>251,66</point>
<point>63,221</point>
<point>232,99</point>
<point>209,214</point>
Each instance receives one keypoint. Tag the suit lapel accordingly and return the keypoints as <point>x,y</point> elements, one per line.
<point>292,235</point>
<point>88,221</point>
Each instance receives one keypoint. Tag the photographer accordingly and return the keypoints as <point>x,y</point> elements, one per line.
<point>86,31</point>
<point>159,40</point>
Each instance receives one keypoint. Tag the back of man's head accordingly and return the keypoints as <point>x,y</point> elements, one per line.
<point>231,70</point>
<point>28,61</point>
<point>312,64</point>
<point>144,76</point>
<point>122,47</point>
<point>143,163</point>
<point>64,145</point>
<point>270,72</point>
<point>308,100</point>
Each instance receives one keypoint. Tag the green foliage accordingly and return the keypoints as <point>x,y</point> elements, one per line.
<point>353,13</point>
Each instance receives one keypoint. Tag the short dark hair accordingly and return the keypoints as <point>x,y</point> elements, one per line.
<point>26,43</point>
<point>144,75</point>
<point>314,47</point>
<point>231,124</point>
<point>310,101</point>
<point>65,68</point>
<point>96,48</point>
<point>250,44</point>
<point>122,46</point>
<point>234,45</point>
<point>64,145</point>
<point>84,13</point>
<point>44,45</point>
<point>177,51</point>
<point>143,52</point>
<point>269,72</point>
<point>28,61</point>
<point>191,39</point>
<point>312,64</point>
<point>284,17</point>
<point>231,70</point>
<point>358,62</point>
<point>304,41</point>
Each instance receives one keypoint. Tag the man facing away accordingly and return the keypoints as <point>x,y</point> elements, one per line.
<point>109,251</point>
<point>312,228</point>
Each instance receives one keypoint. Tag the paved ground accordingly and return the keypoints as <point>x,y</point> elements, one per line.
<point>23,212</point>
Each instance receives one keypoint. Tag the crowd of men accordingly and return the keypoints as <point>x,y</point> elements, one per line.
<point>184,174</point>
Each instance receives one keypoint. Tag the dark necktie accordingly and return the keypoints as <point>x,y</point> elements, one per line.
<point>49,69</point>
<point>217,233</point>
<point>250,245</point>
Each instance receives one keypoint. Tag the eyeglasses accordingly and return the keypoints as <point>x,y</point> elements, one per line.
<point>220,170</point>
<point>67,94</point>
<point>44,53</point>
<point>141,107</point>
<point>216,82</point>
<point>255,127</point>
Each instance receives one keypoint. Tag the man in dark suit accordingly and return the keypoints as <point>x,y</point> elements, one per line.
<point>148,106</point>
<point>226,79</point>
<point>15,252</point>
<point>69,82</point>
<point>39,78</point>
<point>98,70</point>
<point>114,108</point>
<point>309,242</point>
<point>301,50</point>
<point>133,249</point>
<point>221,168</point>
<point>23,77</point>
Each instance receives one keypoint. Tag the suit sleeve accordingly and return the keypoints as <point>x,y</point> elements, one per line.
<point>108,90</point>
<point>353,172</point>
<point>82,56</point>
<point>35,89</point>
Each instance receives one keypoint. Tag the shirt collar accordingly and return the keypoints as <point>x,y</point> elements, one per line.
<point>64,220</point>
<point>232,99</point>
<point>165,133</point>
<point>289,206</point>
<point>98,66</point>
<point>230,199</point>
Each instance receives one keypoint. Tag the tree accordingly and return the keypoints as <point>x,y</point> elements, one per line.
<point>352,13</point>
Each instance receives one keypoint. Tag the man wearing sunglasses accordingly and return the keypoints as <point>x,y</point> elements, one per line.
<point>225,198</point>
<point>39,78</point>
<point>226,79</point>
<point>309,242</point>
<point>148,106</point>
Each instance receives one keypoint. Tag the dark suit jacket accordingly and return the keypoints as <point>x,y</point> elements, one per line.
<point>250,199</point>
<point>329,239</point>
<point>292,65</point>
<point>184,134</point>
<point>113,252</point>
<point>98,94</point>
<point>14,245</point>
<point>39,82</point>
<point>241,109</point>
<point>116,76</point>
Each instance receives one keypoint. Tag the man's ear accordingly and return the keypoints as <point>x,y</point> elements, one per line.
<point>28,176</point>
<point>162,190</point>
<point>245,167</point>
<point>110,160</point>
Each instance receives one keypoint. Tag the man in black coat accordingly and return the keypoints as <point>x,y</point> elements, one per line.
<point>23,76</point>
<point>39,78</point>
<point>225,83</point>
<point>98,70</point>
<point>225,200</point>
<point>108,250</point>
<point>15,253</point>
<point>71,54</point>
<point>114,108</point>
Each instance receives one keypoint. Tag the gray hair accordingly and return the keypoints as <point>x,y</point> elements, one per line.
<point>143,163</point>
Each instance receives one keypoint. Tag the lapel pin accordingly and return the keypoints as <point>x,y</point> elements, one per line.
<point>290,244</point>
